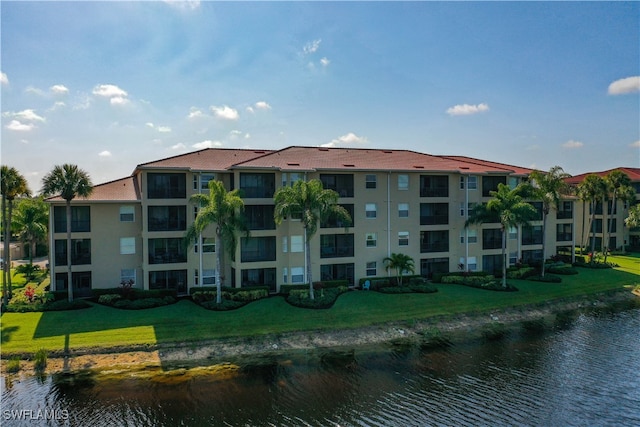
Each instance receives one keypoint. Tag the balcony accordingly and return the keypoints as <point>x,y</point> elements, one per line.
<point>340,183</point>
<point>434,241</point>
<point>256,249</point>
<point>336,245</point>
<point>434,186</point>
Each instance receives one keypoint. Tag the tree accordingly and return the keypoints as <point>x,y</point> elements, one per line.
<point>12,185</point>
<point>401,263</point>
<point>507,207</point>
<point>548,187</point>
<point>633,219</point>
<point>618,186</point>
<point>592,190</point>
<point>31,223</point>
<point>68,181</point>
<point>313,204</point>
<point>223,209</point>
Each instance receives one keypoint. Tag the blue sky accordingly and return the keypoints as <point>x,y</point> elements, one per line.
<point>110,85</point>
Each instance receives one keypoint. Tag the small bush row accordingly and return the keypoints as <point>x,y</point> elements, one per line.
<point>31,300</point>
<point>411,288</point>
<point>235,295</point>
<point>323,298</point>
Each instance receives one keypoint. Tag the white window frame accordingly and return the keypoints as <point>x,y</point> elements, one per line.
<point>126,211</point>
<point>371,181</point>
<point>285,275</point>
<point>513,233</point>
<point>371,269</point>
<point>403,182</point>
<point>128,274</point>
<point>371,240</point>
<point>472,235</point>
<point>127,246</point>
<point>371,210</point>
<point>297,274</point>
<point>401,210</point>
<point>297,244</point>
<point>403,238</point>
<point>208,245</point>
<point>285,244</point>
<point>472,182</point>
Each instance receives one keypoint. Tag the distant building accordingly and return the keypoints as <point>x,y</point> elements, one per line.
<point>619,234</point>
<point>400,200</point>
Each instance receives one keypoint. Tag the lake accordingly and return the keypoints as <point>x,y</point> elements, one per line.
<point>582,371</point>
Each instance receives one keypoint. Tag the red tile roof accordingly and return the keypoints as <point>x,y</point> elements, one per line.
<point>633,173</point>
<point>125,189</point>
<point>501,167</point>
<point>209,159</point>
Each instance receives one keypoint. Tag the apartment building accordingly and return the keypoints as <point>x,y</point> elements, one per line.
<point>400,201</point>
<point>608,222</point>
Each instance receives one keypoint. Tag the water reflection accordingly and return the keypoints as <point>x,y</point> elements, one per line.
<point>584,373</point>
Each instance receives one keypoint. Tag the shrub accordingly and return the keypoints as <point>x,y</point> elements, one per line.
<point>13,365</point>
<point>417,288</point>
<point>40,360</point>
<point>564,270</point>
<point>326,299</point>
<point>547,278</point>
<point>225,305</point>
<point>142,303</point>
<point>520,273</point>
<point>66,305</point>
<point>109,299</point>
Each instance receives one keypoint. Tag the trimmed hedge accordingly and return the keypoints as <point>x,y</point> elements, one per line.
<point>324,298</point>
<point>437,277</point>
<point>547,278</point>
<point>241,295</point>
<point>326,284</point>
<point>377,281</point>
<point>417,288</point>
<point>133,293</point>
<point>228,289</point>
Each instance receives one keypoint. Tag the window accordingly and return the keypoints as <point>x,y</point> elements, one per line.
<point>338,272</point>
<point>434,186</point>
<point>166,251</point>
<point>293,178</point>
<point>371,181</point>
<point>80,219</point>
<point>128,275</point>
<point>472,182</point>
<point>403,210</point>
<point>434,213</point>
<point>333,222</point>
<point>297,244</point>
<point>336,245</point>
<point>127,213</point>
<point>255,249</point>
<point>297,274</point>
<point>80,280</point>
<point>532,235</point>
<point>127,245</point>
<point>208,245</point>
<point>430,266</point>
<point>204,182</point>
<point>285,275</point>
<point>472,263</point>
<point>80,252</point>
<point>372,269</point>
<point>513,233</point>
<point>167,218</point>
<point>257,185</point>
<point>463,212</point>
<point>285,244</point>
<point>490,183</point>
<point>166,185</point>
<point>434,241</point>
<point>259,276</point>
<point>472,236</point>
<point>513,182</point>
<point>403,182</point>
<point>513,258</point>
<point>208,277</point>
<point>565,210</point>
<point>259,217</point>
<point>491,238</point>
<point>564,233</point>
<point>170,279</point>
<point>403,238</point>
<point>340,183</point>
<point>372,240</point>
<point>371,210</point>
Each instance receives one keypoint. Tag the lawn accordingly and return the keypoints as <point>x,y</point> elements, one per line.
<point>104,327</point>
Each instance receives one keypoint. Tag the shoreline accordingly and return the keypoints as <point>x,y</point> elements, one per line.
<point>464,327</point>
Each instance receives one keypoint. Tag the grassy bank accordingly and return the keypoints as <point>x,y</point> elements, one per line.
<point>105,327</point>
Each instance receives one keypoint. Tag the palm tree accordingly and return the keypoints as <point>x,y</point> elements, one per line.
<point>633,219</point>
<point>12,185</point>
<point>401,263</point>
<point>224,209</point>
<point>509,209</point>
<point>548,187</point>
<point>68,181</point>
<point>592,190</point>
<point>314,204</point>
<point>31,222</point>
<point>618,184</point>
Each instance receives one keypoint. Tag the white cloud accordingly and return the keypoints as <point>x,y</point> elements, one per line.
<point>183,4</point>
<point>59,89</point>
<point>109,91</point>
<point>348,139</point>
<point>195,113</point>
<point>206,144</point>
<point>150,125</point>
<point>178,146</point>
<point>104,153</point>
<point>4,79</point>
<point>263,105</point>
<point>16,125</point>
<point>235,133</point>
<point>466,109</point>
<point>325,62</point>
<point>119,100</point>
<point>571,144</point>
<point>57,105</point>
<point>35,91</point>
<point>311,47</point>
<point>164,129</point>
<point>635,144</point>
<point>627,85</point>
<point>25,115</point>
<point>225,112</point>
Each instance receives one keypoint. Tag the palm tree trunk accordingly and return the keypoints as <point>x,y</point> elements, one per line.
<point>218,263</point>
<point>69,275</point>
<point>584,220</point>
<point>504,257</point>
<point>609,221</point>
<point>544,240</point>
<point>592,231</point>
<point>307,255</point>
<point>5,268</point>
<point>8,254</point>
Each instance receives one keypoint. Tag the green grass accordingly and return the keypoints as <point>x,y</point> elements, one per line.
<point>105,327</point>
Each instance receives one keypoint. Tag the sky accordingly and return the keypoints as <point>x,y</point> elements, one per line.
<point>110,85</point>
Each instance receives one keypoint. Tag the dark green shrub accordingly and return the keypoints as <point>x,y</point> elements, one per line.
<point>66,305</point>
<point>547,278</point>
<point>225,305</point>
<point>418,288</point>
<point>40,360</point>
<point>13,364</point>
<point>138,304</point>
<point>325,299</point>
<point>564,270</point>
<point>520,273</point>
<point>109,299</point>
